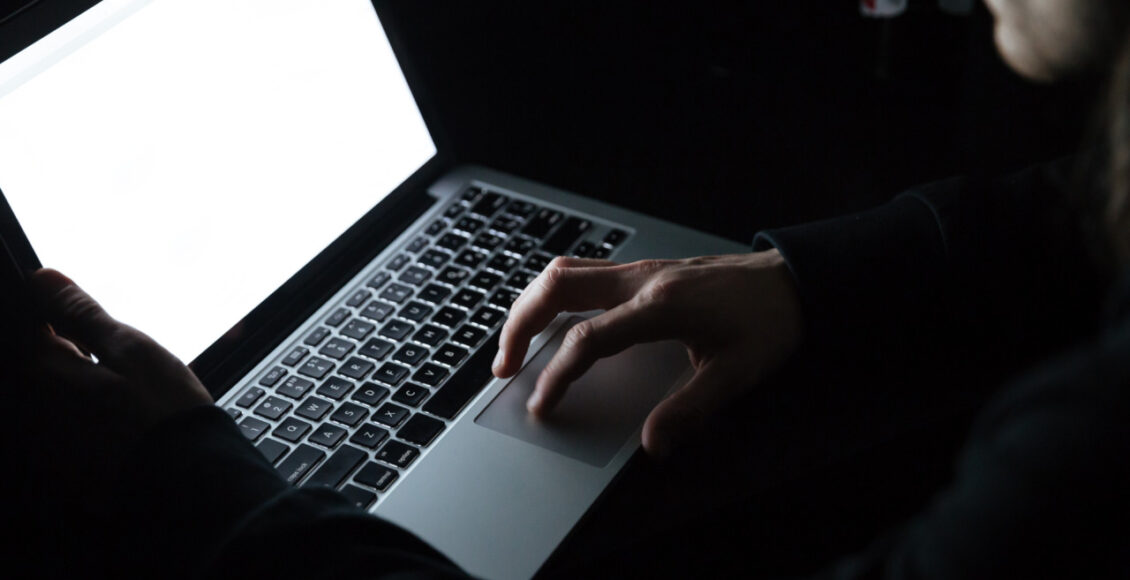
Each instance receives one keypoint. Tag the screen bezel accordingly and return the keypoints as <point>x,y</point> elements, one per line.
<point>232,355</point>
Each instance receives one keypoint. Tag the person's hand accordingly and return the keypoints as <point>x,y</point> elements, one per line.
<point>92,386</point>
<point>738,315</point>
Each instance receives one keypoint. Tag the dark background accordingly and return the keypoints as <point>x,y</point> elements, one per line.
<point>732,116</point>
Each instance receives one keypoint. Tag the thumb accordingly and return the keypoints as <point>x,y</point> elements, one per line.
<point>686,411</point>
<point>78,317</point>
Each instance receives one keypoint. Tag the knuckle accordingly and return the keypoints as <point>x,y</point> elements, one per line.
<point>660,292</point>
<point>579,338</point>
<point>550,279</point>
<point>649,267</point>
<point>75,305</point>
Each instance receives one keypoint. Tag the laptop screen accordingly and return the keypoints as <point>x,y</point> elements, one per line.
<point>181,159</point>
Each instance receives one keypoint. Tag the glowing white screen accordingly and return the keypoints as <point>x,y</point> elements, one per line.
<point>181,159</point>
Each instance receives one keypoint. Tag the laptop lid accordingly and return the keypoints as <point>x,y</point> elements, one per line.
<point>208,170</point>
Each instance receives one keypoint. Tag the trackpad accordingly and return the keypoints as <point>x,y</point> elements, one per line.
<point>600,411</point>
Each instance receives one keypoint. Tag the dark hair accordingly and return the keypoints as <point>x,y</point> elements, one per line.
<point>1116,215</point>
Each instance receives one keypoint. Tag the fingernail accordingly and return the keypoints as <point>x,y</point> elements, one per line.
<point>497,359</point>
<point>533,402</point>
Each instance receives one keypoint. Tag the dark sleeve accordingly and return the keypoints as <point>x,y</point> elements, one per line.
<point>980,275</point>
<point>1040,491</point>
<point>198,501</point>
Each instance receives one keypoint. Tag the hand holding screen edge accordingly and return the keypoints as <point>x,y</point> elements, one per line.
<point>738,315</point>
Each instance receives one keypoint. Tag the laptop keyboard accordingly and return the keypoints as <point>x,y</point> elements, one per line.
<point>363,394</point>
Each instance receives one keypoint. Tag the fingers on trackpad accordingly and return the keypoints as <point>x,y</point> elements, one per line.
<point>600,411</point>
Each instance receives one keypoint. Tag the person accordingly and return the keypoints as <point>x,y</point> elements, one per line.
<point>993,275</point>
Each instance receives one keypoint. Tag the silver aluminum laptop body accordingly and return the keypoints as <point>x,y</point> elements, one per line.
<point>496,491</point>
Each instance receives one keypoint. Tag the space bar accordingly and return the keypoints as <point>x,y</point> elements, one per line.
<point>465,384</point>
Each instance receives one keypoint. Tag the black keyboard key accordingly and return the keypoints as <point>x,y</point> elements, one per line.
<point>469,224</point>
<point>436,227</point>
<point>566,235</point>
<point>465,384</point>
<point>469,335</point>
<point>449,317</point>
<point>470,259</point>
<point>415,311</point>
<point>410,354</point>
<point>504,298</point>
<point>420,430</point>
<point>484,280</point>
<point>376,476</point>
<point>453,276</point>
<point>467,298</point>
<point>502,263</point>
<point>615,237</point>
<point>398,454</point>
<point>430,335</point>
<point>299,463</point>
<point>396,329</point>
<point>418,244</point>
<point>272,450</point>
<point>295,387</point>
<point>358,298</point>
<point>396,293</point>
<point>521,279</point>
<point>248,398</point>
<point>370,394</point>
<point>584,250</point>
<point>538,261</point>
<point>272,376</point>
<point>434,258</point>
<point>453,211</point>
<point>434,293</point>
<point>356,368</point>
<point>487,242</point>
<point>349,414</point>
<point>450,241</point>
<point>369,435</point>
<point>314,408</point>
<point>295,356</point>
<point>472,194</point>
<point>410,394</point>
<point>337,468</point>
<point>234,413</point>
<point>327,435</point>
<point>415,276</point>
<point>362,498</point>
<point>399,262</point>
<point>505,225</point>
<point>339,316</point>
<point>451,355</point>
<point>253,428</point>
<point>391,415</point>
<point>602,253</point>
<point>376,348</point>
<point>335,388</point>
<point>316,336</point>
<point>430,374</point>
<point>358,329</point>
<point>521,208</point>
<point>542,222</point>
<point>272,408</point>
<point>378,280</point>
<point>316,368</point>
<point>390,374</point>
<point>292,430</point>
<point>519,246</point>
<point>489,205</point>
<point>336,348</point>
<point>377,310</point>
<point>487,316</point>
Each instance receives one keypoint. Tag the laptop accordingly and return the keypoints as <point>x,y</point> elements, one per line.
<point>261,186</point>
